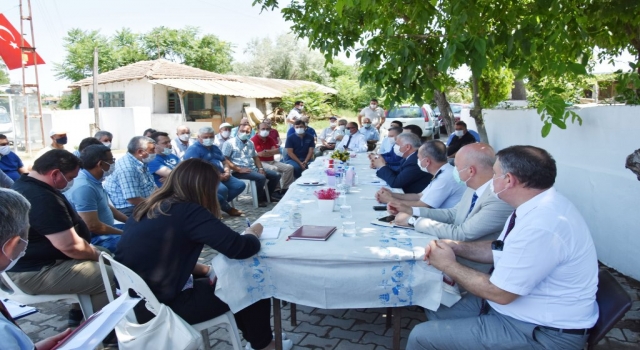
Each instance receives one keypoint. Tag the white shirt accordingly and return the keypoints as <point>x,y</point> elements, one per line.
<point>481,189</point>
<point>375,115</point>
<point>293,116</point>
<point>357,144</point>
<point>328,135</point>
<point>178,148</point>
<point>386,145</point>
<point>550,261</point>
<point>218,140</point>
<point>370,134</point>
<point>443,192</point>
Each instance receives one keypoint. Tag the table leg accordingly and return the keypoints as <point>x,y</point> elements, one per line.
<point>397,317</point>
<point>294,320</point>
<point>277,322</point>
<point>388,320</point>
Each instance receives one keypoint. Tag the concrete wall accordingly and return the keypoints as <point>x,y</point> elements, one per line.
<point>591,172</point>
<point>137,93</point>
<point>234,107</point>
<point>166,122</point>
<point>123,123</point>
<point>160,98</point>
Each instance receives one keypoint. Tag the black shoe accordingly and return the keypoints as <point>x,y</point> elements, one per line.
<point>111,341</point>
<point>262,204</point>
<point>276,195</point>
<point>283,192</point>
<point>275,199</point>
<point>75,318</point>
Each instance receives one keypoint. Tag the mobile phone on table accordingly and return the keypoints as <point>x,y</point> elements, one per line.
<point>379,207</point>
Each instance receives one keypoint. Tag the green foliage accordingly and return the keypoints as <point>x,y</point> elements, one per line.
<point>316,103</point>
<point>4,74</point>
<point>70,101</point>
<point>495,86</point>
<point>125,47</point>
<point>628,88</point>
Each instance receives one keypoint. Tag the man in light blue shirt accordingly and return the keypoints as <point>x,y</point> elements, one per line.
<point>132,182</point>
<point>371,134</point>
<point>90,199</point>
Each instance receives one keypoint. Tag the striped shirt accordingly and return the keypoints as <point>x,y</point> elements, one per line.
<point>131,179</point>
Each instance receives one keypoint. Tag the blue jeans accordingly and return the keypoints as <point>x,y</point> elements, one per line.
<point>274,180</point>
<point>297,169</point>
<point>107,241</point>
<point>228,190</point>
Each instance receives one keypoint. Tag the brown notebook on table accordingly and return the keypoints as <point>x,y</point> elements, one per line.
<point>313,233</point>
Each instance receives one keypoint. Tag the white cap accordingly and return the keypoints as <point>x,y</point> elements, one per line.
<point>57,132</point>
<point>225,125</point>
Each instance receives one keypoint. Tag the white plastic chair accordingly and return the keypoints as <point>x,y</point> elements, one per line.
<point>9,290</point>
<point>251,188</point>
<point>128,279</point>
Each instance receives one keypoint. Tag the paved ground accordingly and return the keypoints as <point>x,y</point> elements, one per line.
<point>356,329</point>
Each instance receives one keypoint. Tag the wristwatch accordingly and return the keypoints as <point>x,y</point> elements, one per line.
<point>412,221</point>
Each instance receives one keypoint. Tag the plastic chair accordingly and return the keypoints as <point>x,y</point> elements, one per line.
<point>613,303</point>
<point>9,290</point>
<point>254,192</point>
<point>128,279</point>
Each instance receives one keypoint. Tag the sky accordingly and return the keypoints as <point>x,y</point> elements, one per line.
<point>234,21</point>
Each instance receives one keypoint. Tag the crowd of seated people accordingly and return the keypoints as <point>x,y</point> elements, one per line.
<point>164,192</point>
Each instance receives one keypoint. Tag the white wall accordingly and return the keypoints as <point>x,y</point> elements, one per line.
<point>591,172</point>
<point>123,123</point>
<point>234,107</point>
<point>137,93</point>
<point>166,122</point>
<point>160,98</point>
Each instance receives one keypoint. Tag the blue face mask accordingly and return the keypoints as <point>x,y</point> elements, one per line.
<point>456,175</point>
<point>62,140</point>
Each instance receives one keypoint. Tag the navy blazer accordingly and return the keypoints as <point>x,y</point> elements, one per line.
<point>393,160</point>
<point>409,177</point>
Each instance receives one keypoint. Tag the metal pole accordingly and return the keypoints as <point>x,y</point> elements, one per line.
<point>15,130</point>
<point>96,108</point>
<point>35,67</point>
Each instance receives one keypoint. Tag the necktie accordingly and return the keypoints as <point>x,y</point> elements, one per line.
<point>484,309</point>
<point>473,203</point>
<point>348,142</point>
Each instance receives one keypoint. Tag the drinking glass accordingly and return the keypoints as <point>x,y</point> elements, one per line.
<point>349,229</point>
<point>345,212</point>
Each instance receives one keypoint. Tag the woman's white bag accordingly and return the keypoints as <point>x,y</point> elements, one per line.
<point>166,331</point>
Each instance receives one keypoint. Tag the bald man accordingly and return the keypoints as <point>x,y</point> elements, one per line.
<point>478,216</point>
<point>182,141</point>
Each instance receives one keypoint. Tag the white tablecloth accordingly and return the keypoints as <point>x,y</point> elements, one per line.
<point>380,267</point>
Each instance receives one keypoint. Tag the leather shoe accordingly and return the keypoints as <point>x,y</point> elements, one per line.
<point>234,212</point>
<point>275,199</point>
<point>262,204</point>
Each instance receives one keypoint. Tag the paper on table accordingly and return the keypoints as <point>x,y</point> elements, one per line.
<point>270,233</point>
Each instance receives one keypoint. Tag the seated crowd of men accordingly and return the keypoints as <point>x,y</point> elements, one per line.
<point>537,290</point>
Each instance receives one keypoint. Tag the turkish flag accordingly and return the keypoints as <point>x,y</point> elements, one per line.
<point>10,41</point>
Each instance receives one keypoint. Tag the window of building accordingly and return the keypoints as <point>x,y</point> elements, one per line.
<point>108,99</point>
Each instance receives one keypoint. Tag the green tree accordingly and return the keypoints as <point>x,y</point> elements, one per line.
<point>4,73</point>
<point>78,62</point>
<point>127,47</point>
<point>70,101</point>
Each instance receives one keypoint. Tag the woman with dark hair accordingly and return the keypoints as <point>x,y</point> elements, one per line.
<point>164,237</point>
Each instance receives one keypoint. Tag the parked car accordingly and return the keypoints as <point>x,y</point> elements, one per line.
<point>456,108</point>
<point>424,117</point>
<point>6,125</point>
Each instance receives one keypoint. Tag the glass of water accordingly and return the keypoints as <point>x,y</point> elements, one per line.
<point>345,211</point>
<point>349,229</point>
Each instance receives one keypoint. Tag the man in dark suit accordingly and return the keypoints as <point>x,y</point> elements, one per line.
<point>408,177</point>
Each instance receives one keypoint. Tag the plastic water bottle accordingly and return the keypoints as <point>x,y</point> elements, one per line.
<point>351,173</point>
<point>295,216</point>
<point>338,176</point>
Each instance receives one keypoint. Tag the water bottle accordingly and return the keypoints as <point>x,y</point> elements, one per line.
<point>295,216</point>
<point>351,173</point>
<point>338,176</point>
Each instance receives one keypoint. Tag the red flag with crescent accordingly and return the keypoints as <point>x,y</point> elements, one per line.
<point>10,41</point>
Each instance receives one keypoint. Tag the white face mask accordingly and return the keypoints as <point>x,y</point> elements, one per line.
<point>225,134</point>
<point>109,171</point>
<point>342,127</point>
<point>14,261</point>
<point>207,142</point>
<point>264,133</point>
<point>68,186</point>
<point>423,168</point>
<point>4,150</point>
<point>396,150</point>
<point>333,124</point>
<point>107,144</point>
<point>167,151</point>
<point>299,131</point>
<point>459,133</point>
<point>150,158</point>
<point>183,137</point>
<point>373,106</point>
<point>391,140</point>
<point>301,108</point>
<point>244,137</point>
<point>493,189</point>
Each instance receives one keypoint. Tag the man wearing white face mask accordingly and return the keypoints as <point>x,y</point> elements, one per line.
<point>442,192</point>
<point>90,199</point>
<point>182,141</point>
<point>371,134</point>
<point>165,160</point>
<point>462,137</point>
<point>295,114</point>
<point>267,148</point>
<point>408,176</point>
<point>224,134</point>
<point>478,215</point>
<point>105,137</point>
<point>14,228</point>
<point>299,149</point>
<point>341,130</point>
<point>374,113</point>
<point>326,138</point>
<point>60,259</point>
<point>131,182</point>
<point>353,141</point>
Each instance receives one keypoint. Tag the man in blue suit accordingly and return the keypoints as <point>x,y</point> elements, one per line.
<point>408,177</point>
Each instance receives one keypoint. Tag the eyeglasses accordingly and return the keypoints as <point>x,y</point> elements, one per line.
<point>113,160</point>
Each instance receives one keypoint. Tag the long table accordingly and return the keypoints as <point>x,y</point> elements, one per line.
<point>380,267</point>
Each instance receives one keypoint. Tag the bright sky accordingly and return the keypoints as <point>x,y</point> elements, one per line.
<point>234,21</point>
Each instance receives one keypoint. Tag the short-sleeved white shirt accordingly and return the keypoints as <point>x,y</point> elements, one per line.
<point>374,114</point>
<point>550,261</point>
<point>443,191</point>
<point>328,134</point>
<point>293,116</point>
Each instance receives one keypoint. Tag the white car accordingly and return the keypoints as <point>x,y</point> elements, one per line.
<point>6,125</point>
<point>424,117</point>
